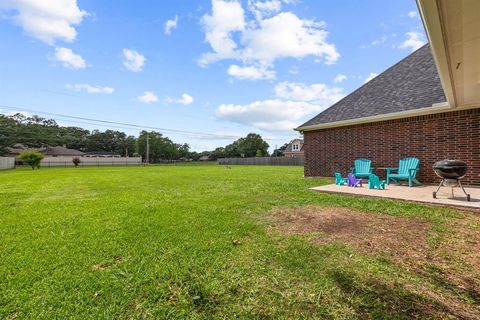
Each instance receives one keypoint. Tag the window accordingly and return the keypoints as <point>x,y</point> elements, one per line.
<point>295,147</point>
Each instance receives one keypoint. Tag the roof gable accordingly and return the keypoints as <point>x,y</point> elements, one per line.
<point>412,83</point>
<point>297,141</point>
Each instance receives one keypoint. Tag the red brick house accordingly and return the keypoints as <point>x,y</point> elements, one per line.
<point>426,106</point>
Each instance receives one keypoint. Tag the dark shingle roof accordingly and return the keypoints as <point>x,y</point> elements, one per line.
<point>412,83</point>
<point>62,151</point>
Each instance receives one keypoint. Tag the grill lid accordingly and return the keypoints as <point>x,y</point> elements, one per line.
<point>450,169</point>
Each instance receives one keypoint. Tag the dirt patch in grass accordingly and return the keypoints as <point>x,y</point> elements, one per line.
<point>369,233</point>
<point>106,264</point>
<point>447,262</point>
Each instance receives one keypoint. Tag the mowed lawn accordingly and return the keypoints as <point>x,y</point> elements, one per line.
<point>210,242</point>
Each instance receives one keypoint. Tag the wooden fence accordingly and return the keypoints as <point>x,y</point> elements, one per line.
<point>7,162</point>
<point>264,161</point>
<point>64,161</point>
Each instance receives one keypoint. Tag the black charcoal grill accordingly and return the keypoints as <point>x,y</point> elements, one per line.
<point>451,171</point>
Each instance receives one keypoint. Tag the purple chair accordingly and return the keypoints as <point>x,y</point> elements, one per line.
<point>353,181</point>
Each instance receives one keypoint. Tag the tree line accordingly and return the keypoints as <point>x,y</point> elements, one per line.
<point>34,131</point>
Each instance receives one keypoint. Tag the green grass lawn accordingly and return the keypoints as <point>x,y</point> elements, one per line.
<point>197,242</point>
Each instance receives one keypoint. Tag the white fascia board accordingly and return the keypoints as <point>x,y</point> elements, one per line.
<point>431,15</point>
<point>436,108</point>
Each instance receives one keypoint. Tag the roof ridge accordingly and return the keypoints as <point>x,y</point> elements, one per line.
<point>384,71</point>
<point>418,89</point>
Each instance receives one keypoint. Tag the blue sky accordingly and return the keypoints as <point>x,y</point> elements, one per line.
<point>225,68</point>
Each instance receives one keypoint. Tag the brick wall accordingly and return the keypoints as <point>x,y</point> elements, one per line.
<point>429,138</point>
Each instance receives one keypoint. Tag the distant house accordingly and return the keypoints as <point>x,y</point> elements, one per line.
<point>61,152</point>
<point>48,151</point>
<point>204,158</point>
<point>16,149</point>
<point>294,148</point>
<point>102,154</point>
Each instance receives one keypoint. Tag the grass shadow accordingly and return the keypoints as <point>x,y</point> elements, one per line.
<point>370,298</point>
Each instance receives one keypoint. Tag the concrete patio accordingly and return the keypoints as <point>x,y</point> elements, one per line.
<point>416,194</point>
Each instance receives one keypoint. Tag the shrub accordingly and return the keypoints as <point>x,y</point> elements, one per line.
<point>32,158</point>
<point>76,161</point>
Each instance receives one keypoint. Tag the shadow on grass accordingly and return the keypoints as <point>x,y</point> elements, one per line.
<point>440,278</point>
<point>371,298</point>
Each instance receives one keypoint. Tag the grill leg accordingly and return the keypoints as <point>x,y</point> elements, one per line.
<point>439,186</point>
<point>435,192</point>
<point>468,196</point>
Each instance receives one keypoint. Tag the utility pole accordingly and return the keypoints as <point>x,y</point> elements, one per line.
<point>148,151</point>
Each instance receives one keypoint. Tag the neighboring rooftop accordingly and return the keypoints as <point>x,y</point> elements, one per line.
<point>49,151</point>
<point>412,83</point>
<point>61,151</point>
<point>290,144</point>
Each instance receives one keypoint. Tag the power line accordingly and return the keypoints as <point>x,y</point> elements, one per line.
<point>126,125</point>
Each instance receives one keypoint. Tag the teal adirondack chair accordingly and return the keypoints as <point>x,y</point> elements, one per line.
<point>362,168</point>
<point>339,181</point>
<point>407,170</point>
<point>375,182</point>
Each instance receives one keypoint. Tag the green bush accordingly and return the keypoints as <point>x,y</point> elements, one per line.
<point>32,158</point>
<point>76,161</point>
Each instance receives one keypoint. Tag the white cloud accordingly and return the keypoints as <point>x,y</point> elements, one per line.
<point>250,73</point>
<point>133,60</point>
<point>294,70</point>
<point>414,41</point>
<point>12,113</point>
<point>294,102</point>
<point>371,76</point>
<point>226,17</point>
<point>221,135</point>
<point>376,42</point>
<point>285,35</point>
<point>319,93</point>
<point>69,59</point>
<point>170,25</point>
<point>148,97</point>
<point>340,78</point>
<point>264,8</point>
<point>46,20</point>
<point>412,14</point>
<point>185,99</point>
<point>89,88</point>
<point>270,115</point>
<point>263,41</point>
<point>382,39</point>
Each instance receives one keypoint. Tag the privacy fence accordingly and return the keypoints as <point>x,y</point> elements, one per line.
<point>90,161</point>
<point>264,161</point>
<point>7,163</point>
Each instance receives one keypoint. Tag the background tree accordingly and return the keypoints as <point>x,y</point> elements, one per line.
<point>161,148</point>
<point>75,138</point>
<point>32,158</point>
<point>217,153</point>
<point>251,144</point>
<point>8,132</point>
<point>280,151</point>
<point>183,150</point>
<point>232,150</point>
